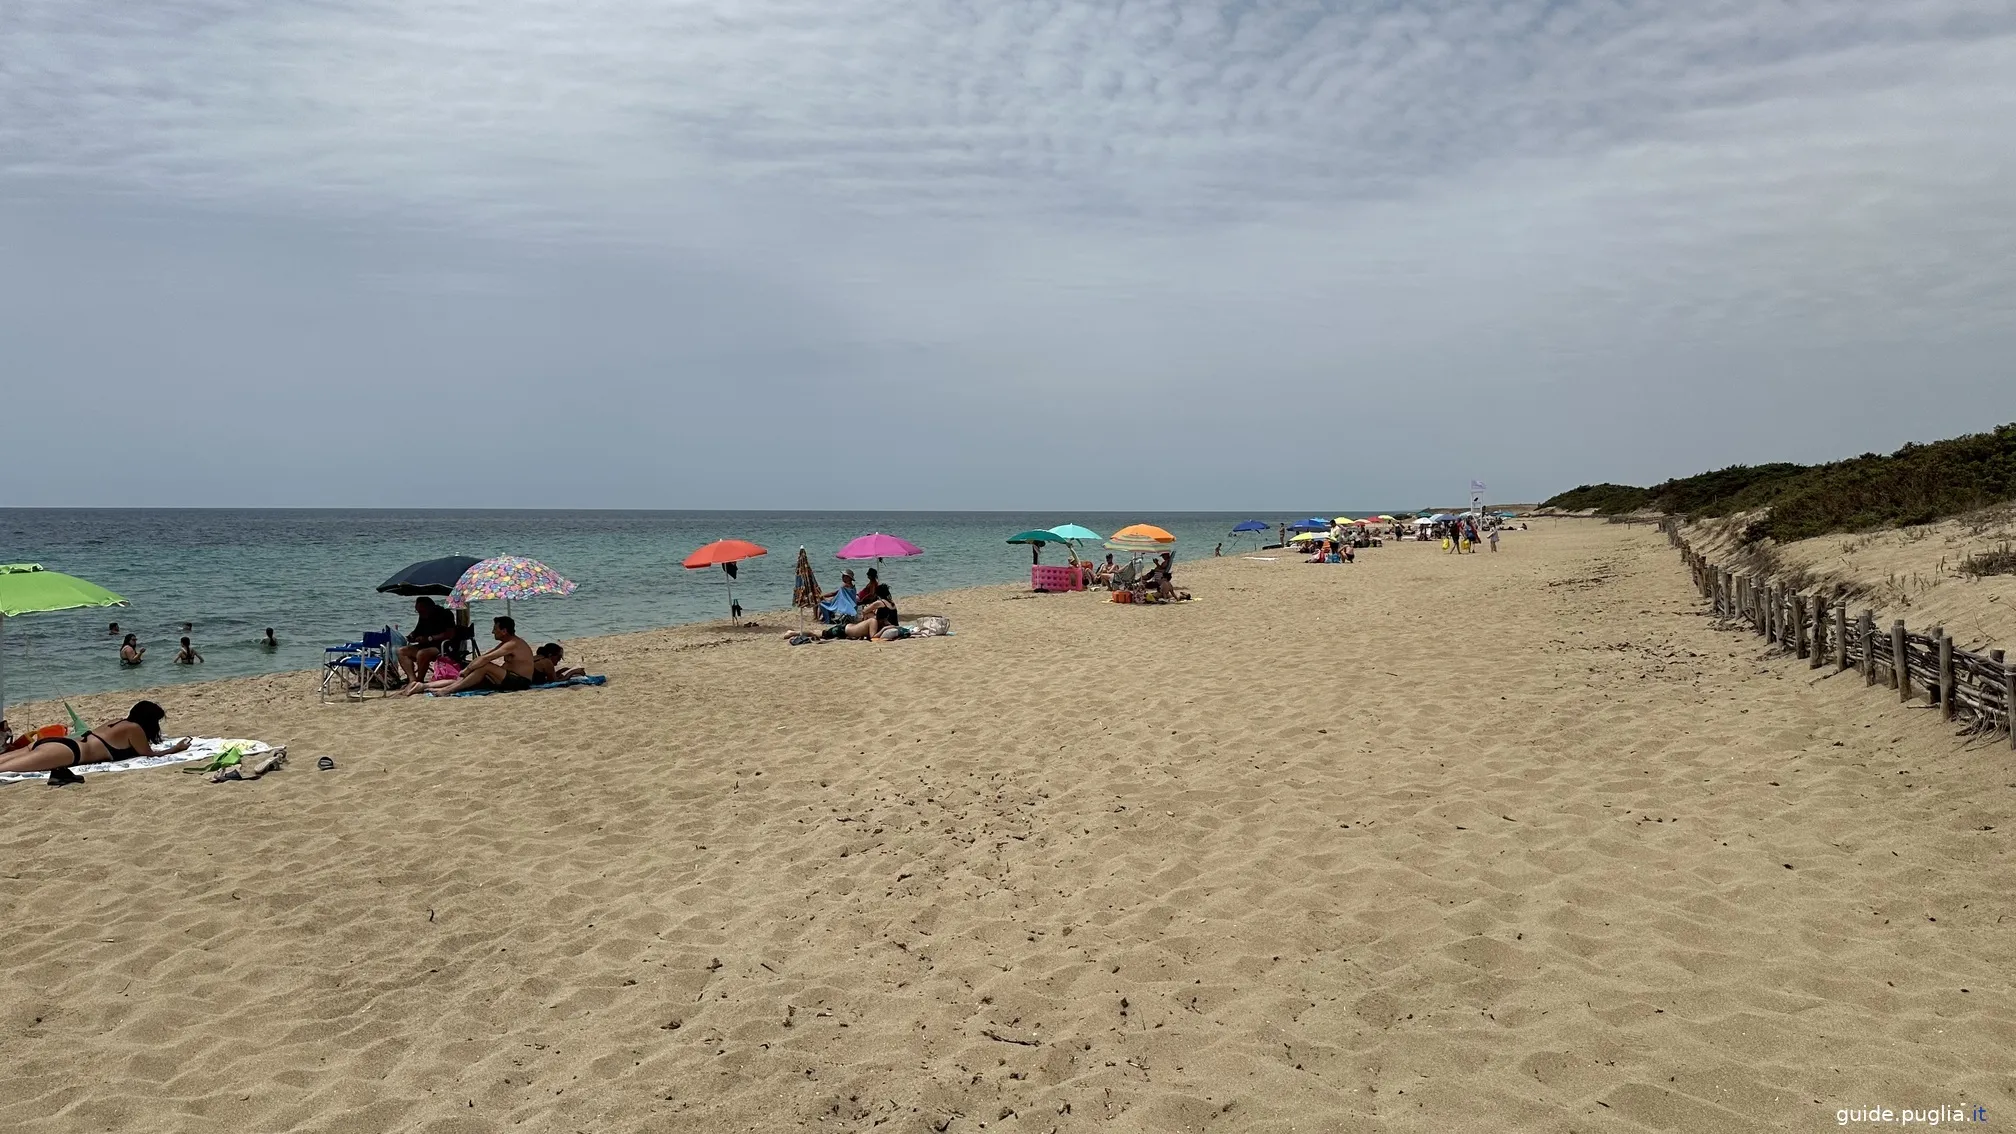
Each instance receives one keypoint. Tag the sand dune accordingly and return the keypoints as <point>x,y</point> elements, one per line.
<point>1911,573</point>
<point>1497,842</point>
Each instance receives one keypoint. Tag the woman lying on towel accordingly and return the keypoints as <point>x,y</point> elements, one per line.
<point>546,667</point>
<point>880,622</point>
<point>135,735</point>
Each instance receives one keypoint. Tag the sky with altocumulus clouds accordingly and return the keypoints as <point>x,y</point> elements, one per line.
<point>938,254</point>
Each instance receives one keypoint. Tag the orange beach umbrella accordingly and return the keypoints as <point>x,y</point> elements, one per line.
<point>723,551</point>
<point>1141,532</point>
<point>725,554</point>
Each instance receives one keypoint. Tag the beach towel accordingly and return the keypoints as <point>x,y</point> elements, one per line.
<point>585,679</point>
<point>205,748</point>
<point>841,608</point>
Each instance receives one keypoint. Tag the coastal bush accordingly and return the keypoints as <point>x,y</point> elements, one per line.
<point>1915,485</point>
<point>1606,499</point>
<point>1997,561</point>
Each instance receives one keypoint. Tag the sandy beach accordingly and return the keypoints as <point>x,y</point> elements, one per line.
<point>1512,841</point>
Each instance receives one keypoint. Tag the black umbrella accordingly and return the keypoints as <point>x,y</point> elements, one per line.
<point>434,577</point>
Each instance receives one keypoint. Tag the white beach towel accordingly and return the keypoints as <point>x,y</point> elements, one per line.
<point>202,748</point>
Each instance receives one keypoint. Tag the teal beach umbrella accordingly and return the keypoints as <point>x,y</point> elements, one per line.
<point>1036,538</point>
<point>30,588</point>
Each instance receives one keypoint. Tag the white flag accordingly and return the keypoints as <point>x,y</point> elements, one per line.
<point>1476,486</point>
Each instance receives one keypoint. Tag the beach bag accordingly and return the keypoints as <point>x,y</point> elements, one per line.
<point>1445,543</point>
<point>931,626</point>
<point>445,669</point>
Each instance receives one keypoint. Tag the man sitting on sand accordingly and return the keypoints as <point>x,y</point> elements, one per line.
<point>505,667</point>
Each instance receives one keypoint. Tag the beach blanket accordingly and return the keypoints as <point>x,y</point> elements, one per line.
<point>585,679</point>
<point>204,748</point>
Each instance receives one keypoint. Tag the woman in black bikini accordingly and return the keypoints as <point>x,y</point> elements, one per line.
<point>131,652</point>
<point>136,735</point>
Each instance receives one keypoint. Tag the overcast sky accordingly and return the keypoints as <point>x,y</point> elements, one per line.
<point>919,253</point>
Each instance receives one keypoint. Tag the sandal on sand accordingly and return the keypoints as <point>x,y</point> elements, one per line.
<point>61,776</point>
<point>268,762</point>
<point>325,763</point>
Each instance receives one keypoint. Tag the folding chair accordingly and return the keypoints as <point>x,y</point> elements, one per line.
<point>354,666</point>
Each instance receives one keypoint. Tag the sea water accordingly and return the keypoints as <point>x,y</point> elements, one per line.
<point>311,574</point>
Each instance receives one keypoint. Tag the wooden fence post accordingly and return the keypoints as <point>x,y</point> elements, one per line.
<point>1770,611</point>
<point>1900,670</point>
<point>1948,704</point>
<point>1868,646</point>
<point>2009,703</point>
<point>1799,643</point>
<point>1840,636</point>
<point>1819,634</point>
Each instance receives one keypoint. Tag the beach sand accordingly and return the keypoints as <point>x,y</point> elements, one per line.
<point>1497,842</point>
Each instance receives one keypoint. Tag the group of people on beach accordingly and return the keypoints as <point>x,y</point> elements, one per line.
<point>856,614</point>
<point>426,663</point>
<point>1157,583</point>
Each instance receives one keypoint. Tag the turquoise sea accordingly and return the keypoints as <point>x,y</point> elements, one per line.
<point>311,573</point>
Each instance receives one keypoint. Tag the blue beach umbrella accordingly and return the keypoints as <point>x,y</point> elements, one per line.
<point>1250,526</point>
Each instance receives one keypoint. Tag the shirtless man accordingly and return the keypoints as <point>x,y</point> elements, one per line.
<point>505,667</point>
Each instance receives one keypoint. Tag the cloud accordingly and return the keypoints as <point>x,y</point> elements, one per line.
<point>1251,213</point>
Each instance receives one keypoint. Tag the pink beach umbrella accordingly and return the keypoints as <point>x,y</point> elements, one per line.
<point>878,545</point>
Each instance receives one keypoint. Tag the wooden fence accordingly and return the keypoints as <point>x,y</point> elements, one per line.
<point>1975,688</point>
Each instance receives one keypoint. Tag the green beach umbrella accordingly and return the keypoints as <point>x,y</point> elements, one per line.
<point>30,588</point>
<point>1036,538</point>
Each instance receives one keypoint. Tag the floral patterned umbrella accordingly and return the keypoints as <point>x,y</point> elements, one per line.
<point>507,577</point>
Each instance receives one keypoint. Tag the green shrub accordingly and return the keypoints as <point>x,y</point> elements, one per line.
<point>1915,485</point>
<point>1607,499</point>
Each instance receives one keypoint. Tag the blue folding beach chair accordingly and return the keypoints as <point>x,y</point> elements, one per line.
<point>354,667</point>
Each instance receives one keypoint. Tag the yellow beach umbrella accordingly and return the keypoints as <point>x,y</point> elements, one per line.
<point>1307,537</point>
